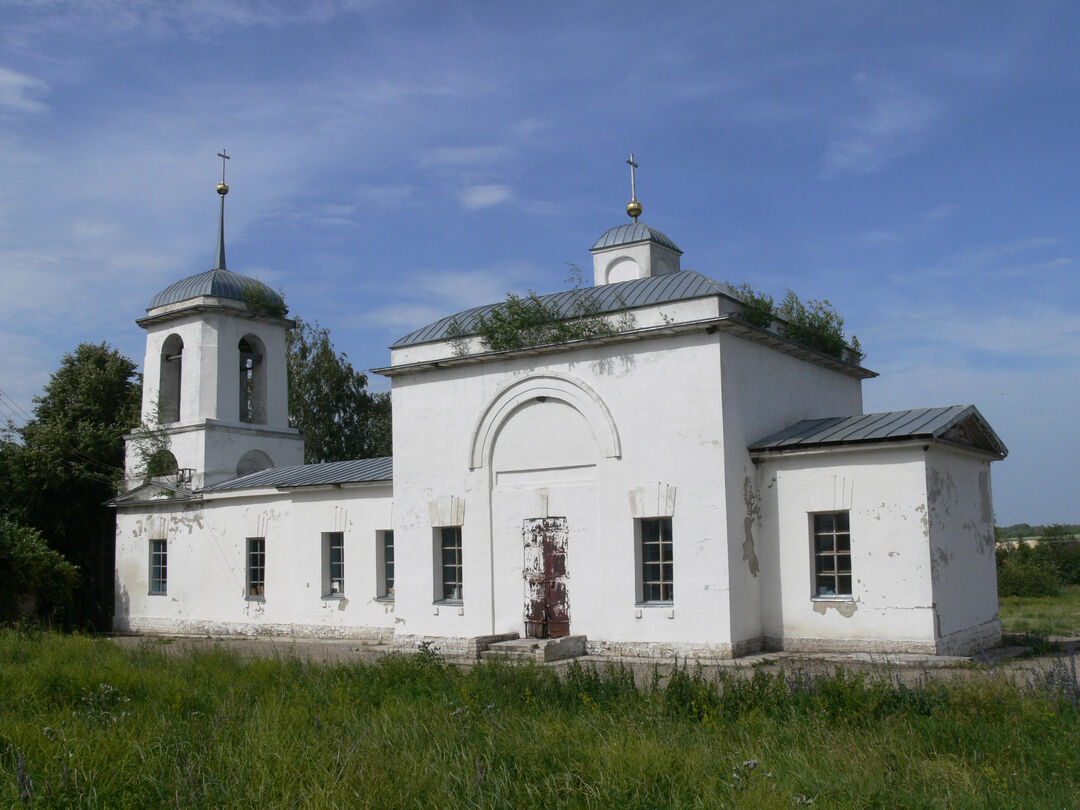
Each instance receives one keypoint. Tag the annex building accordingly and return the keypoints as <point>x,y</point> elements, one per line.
<point>681,483</point>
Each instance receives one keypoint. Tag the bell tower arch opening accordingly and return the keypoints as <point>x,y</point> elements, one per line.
<point>170,379</point>
<point>252,380</point>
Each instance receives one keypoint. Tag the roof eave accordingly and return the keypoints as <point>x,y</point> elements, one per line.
<point>207,303</point>
<point>861,445</point>
<point>596,249</point>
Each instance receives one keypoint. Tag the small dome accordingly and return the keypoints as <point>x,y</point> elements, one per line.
<point>219,283</point>
<point>633,232</point>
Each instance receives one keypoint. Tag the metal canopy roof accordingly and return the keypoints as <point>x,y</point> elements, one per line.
<point>957,424</point>
<point>359,471</point>
<point>219,282</point>
<point>640,292</point>
<point>633,232</point>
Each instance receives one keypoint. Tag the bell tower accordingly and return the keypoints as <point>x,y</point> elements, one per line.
<point>215,388</point>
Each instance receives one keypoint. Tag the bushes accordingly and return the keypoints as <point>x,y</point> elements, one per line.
<point>1040,569</point>
<point>33,577</point>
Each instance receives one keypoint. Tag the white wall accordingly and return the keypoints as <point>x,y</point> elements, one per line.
<point>765,391</point>
<point>884,491</point>
<point>207,564</point>
<point>963,567</point>
<point>662,397</point>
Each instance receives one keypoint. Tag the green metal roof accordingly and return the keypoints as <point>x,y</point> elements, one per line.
<point>633,232</point>
<point>959,424</point>
<point>220,283</point>
<point>640,292</point>
<point>358,471</point>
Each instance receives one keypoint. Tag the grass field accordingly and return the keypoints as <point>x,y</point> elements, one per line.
<point>1047,615</point>
<point>84,723</point>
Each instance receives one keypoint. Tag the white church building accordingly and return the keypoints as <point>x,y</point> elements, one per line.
<point>682,483</point>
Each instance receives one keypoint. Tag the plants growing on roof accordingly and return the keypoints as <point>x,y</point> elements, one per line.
<point>529,320</point>
<point>813,323</point>
<point>263,301</point>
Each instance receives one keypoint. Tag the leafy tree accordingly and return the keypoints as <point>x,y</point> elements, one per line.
<point>329,401</point>
<point>67,460</point>
<point>32,575</point>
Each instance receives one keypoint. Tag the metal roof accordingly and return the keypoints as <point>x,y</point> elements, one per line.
<point>639,292</point>
<point>359,471</point>
<point>633,232</point>
<point>960,424</point>
<point>217,282</point>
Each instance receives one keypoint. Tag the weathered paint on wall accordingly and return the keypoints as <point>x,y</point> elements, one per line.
<point>207,566</point>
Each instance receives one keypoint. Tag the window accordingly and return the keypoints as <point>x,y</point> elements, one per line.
<point>385,564</point>
<point>449,563</point>
<point>333,564</point>
<point>832,554</point>
<point>256,567</point>
<point>158,566</point>
<point>656,560</point>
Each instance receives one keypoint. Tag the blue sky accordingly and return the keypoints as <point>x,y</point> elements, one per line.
<point>917,164</point>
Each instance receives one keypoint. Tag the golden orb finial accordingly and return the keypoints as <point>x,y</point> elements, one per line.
<point>633,208</point>
<point>222,189</point>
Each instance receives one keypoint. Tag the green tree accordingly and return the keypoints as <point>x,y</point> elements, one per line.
<point>329,401</point>
<point>32,575</point>
<point>67,460</point>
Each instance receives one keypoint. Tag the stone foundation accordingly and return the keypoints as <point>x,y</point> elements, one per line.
<point>971,640</point>
<point>174,627</point>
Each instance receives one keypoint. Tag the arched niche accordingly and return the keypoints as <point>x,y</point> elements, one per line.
<point>543,433</point>
<point>170,378</point>
<point>540,387</point>
<point>624,268</point>
<point>252,380</point>
<point>253,461</point>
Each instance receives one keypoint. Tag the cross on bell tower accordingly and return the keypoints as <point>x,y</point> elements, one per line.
<point>633,208</point>
<point>222,189</point>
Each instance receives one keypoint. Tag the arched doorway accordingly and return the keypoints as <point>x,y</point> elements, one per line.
<point>543,470</point>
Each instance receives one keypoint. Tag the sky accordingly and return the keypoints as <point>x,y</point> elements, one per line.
<point>914,163</point>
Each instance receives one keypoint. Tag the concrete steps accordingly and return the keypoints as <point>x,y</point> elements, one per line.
<point>540,650</point>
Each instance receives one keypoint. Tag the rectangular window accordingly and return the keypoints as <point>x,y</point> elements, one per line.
<point>449,563</point>
<point>657,568</point>
<point>832,554</point>
<point>158,566</point>
<point>385,564</point>
<point>256,567</point>
<point>333,544</point>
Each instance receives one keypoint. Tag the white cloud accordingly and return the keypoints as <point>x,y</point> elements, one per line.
<point>456,156</point>
<point>483,196</point>
<point>17,92</point>
<point>892,120</point>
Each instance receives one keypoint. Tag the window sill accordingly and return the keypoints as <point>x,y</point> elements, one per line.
<point>157,593</point>
<point>255,598</point>
<point>389,599</point>
<point>839,597</point>
<point>333,597</point>
<point>654,604</point>
<point>450,602</point>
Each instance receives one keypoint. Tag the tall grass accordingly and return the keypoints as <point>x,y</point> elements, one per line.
<point>84,723</point>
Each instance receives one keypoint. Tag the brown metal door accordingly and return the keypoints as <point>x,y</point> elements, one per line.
<point>547,614</point>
